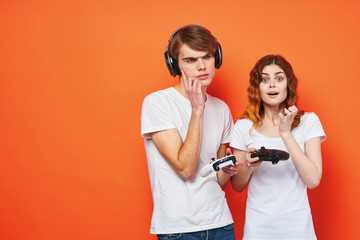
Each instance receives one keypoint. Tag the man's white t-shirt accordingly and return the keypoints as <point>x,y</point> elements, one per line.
<point>179,205</point>
<point>277,204</point>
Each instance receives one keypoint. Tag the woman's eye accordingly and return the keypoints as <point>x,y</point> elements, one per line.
<point>279,78</point>
<point>264,80</point>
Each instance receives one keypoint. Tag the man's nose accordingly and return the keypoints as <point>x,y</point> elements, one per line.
<point>201,64</point>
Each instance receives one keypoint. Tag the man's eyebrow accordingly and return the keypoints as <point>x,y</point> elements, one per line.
<point>189,58</point>
<point>195,58</point>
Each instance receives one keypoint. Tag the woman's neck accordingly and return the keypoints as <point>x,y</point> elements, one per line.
<point>271,114</point>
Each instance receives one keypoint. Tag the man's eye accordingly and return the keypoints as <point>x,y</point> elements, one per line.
<point>208,56</point>
<point>190,60</point>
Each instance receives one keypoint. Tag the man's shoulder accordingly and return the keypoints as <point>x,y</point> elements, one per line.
<point>217,101</point>
<point>159,93</point>
<point>159,96</point>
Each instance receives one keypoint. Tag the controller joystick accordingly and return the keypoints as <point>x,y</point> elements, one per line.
<point>216,164</point>
<point>271,155</point>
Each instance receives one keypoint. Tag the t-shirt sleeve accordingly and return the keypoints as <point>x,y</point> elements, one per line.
<point>237,137</point>
<point>314,128</point>
<point>155,115</point>
<point>229,124</point>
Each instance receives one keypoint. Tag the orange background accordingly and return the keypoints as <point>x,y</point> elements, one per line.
<point>73,75</point>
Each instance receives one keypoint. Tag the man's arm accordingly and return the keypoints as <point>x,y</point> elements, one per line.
<point>224,175</point>
<point>184,156</point>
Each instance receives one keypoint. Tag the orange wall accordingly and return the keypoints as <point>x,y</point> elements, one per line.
<point>73,75</point>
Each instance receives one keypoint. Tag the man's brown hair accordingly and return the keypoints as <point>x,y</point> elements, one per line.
<point>196,37</point>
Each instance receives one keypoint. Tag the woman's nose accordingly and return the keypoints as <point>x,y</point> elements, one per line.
<point>272,83</point>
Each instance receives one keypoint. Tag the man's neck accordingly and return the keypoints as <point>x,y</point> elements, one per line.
<point>181,89</point>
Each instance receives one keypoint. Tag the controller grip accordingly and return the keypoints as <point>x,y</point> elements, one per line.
<point>205,171</point>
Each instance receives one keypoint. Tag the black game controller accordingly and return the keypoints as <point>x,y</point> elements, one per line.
<point>271,155</point>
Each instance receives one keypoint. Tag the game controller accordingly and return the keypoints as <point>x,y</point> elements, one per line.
<point>271,155</point>
<point>216,164</point>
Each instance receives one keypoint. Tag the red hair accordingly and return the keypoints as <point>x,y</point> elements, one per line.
<point>255,109</point>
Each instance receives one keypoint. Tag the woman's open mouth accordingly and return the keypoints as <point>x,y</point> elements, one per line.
<point>273,94</point>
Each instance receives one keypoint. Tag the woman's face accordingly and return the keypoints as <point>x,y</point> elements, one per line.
<point>273,85</point>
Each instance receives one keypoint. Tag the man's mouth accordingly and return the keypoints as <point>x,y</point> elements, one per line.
<point>203,76</point>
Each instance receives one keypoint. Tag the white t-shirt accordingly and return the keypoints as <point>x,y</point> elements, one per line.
<point>179,205</point>
<point>277,205</point>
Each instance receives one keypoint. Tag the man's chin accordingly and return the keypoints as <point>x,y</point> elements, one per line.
<point>206,83</point>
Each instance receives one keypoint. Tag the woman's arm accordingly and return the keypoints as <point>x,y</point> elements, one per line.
<point>241,179</point>
<point>308,163</point>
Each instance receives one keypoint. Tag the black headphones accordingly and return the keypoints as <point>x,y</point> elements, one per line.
<point>172,63</point>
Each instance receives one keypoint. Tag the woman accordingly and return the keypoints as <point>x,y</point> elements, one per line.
<point>277,204</point>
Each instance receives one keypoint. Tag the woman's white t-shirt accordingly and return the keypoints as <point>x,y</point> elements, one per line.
<point>277,204</point>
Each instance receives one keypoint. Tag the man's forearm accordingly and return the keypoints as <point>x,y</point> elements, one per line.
<point>190,151</point>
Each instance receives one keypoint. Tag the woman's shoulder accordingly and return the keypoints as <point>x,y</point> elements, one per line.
<point>309,119</point>
<point>309,116</point>
<point>311,123</point>
<point>244,123</point>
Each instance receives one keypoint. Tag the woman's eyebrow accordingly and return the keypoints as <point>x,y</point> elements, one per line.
<point>274,74</point>
<point>279,73</point>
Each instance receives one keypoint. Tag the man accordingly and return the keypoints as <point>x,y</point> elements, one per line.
<point>183,128</point>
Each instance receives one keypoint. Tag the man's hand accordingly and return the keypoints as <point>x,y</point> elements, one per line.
<point>194,91</point>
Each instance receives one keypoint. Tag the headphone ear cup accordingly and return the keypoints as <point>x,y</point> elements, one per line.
<point>171,64</point>
<point>218,56</point>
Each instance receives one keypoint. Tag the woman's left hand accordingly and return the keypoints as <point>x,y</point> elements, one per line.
<point>287,119</point>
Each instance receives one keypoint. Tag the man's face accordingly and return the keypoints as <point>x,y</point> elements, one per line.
<point>197,65</point>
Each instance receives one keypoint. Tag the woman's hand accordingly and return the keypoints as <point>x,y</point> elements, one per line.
<point>231,170</point>
<point>287,119</point>
<point>251,162</point>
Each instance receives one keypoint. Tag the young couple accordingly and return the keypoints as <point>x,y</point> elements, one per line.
<point>184,127</point>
